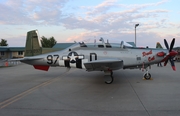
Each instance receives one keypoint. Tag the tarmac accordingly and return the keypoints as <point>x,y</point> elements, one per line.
<point>25,91</point>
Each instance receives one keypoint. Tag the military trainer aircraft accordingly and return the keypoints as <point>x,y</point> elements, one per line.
<point>104,57</point>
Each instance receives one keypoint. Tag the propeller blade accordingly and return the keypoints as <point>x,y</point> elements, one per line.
<point>166,58</point>
<point>172,64</point>
<point>166,44</point>
<point>165,63</point>
<point>171,54</point>
<point>172,45</point>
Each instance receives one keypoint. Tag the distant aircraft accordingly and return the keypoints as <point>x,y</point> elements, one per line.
<point>104,57</point>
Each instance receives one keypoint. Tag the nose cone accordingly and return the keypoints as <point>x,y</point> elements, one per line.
<point>161,54</point>
<point>173,53</point>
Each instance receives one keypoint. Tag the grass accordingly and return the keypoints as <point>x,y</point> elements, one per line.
<point>4,66</point>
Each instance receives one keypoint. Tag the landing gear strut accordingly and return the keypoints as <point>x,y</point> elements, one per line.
<point>147,75</point>
<point>108,77</point>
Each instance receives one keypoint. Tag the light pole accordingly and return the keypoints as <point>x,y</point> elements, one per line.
<point>135,32</point>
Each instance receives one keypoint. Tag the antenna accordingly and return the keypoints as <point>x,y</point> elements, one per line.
<point>107,41</point>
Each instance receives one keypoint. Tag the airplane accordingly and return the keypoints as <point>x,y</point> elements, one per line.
<point>104,57</point>
<point>158,45</point>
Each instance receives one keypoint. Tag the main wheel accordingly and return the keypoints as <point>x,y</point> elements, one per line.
<point>147,76</point>
<point>109,80</point>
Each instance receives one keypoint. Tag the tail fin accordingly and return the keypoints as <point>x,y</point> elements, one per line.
<point>158,45</point>
<point>33,45</point>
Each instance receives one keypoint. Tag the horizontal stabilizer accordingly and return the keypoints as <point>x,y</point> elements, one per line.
<point>41,67</point>
<point>32,58</point>
<point>25,59</point>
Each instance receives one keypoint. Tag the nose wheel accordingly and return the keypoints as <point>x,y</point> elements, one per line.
<point>147,75</point>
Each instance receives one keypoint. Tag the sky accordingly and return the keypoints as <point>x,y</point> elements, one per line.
<point>83,20</point>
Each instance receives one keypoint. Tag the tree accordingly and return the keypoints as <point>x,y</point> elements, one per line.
<point>3,42</point>
<point>48,42</point>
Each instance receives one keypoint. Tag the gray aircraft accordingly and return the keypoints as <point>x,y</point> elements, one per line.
<point>104,57</point>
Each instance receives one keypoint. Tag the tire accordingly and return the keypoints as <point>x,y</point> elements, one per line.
<point>147,76</point>
<point>109,82</point>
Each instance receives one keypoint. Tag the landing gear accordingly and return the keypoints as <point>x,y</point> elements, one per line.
<point>147,75</point>
<point>108,77</point>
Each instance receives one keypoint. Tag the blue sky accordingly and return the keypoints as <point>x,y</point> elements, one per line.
<point>80,20</point>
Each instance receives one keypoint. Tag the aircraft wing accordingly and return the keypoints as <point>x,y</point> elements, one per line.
<point>105,64</point>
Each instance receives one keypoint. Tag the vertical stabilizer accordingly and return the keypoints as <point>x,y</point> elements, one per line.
<point>33,46</point>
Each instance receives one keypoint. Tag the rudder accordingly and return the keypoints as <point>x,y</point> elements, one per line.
<point>33,46</point>
<point>158,45</point>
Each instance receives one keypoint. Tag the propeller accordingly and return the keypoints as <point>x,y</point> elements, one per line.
<point>171,54</point>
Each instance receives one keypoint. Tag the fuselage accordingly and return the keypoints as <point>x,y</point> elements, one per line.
<point>131,57</point>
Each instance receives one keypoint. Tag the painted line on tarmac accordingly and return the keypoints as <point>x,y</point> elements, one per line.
<point>27,92</point>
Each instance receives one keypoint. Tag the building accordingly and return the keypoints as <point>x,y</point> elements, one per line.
<point>11,52</point>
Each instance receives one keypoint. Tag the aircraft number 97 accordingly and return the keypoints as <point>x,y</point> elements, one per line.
<point>52,59</point>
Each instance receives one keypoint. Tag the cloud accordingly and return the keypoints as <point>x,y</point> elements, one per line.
<point>109,19</point>
<point>31,12</point>
<point>11,14</point>
<point>18,41</point>
<point>101,8</point>
<point>143,38</point>
<point>87,36</point>
<point>101,17</point>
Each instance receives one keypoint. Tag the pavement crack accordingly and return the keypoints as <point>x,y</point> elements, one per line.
<point>138,97</point>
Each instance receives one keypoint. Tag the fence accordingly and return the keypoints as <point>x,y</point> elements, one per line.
<point>9,63</point>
